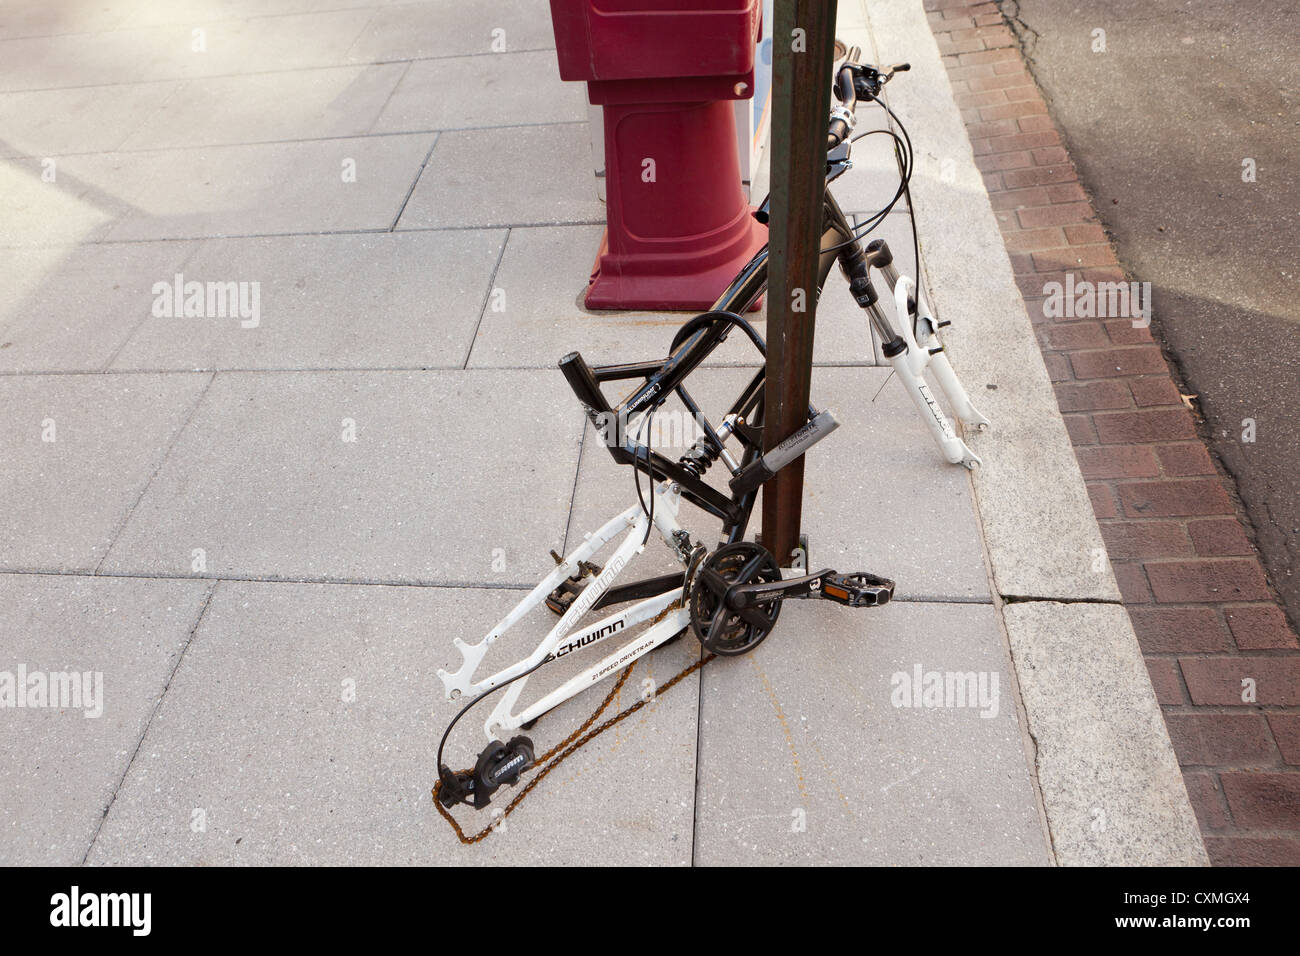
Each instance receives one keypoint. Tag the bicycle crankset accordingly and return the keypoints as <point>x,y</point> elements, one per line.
<point>498,764</point>
<point>724,627</point>
<point>737,595</point>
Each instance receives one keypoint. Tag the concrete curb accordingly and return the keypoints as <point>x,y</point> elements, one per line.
<point>1077,660</point>
<point>1109,779</point>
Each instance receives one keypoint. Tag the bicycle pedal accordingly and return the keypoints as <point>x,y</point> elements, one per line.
<point>857,590</point>
<point>562,598</point>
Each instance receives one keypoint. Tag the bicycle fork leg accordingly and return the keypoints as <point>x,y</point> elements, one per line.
<point>911,354</point>
<point>955,393</point>
<point>929,349</point>
<point>910,372</point>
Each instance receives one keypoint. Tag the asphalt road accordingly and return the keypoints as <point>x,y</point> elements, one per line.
<point>1159,125</point>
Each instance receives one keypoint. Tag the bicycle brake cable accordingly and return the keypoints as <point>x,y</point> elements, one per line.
<point>907,191</point>
<point>492,690</point>
<point>905,158</point>
<point>650,471</point>
<point>877,218</point>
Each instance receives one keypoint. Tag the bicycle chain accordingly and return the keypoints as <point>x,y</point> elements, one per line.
<point>567,747</point>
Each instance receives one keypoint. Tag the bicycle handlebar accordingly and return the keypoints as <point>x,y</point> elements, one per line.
<point>842,117</point>
<point>852,81</point>
<point>846,92</point>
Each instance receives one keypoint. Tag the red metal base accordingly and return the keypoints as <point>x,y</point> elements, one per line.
<point>661,283</point>
<point>679,227</point>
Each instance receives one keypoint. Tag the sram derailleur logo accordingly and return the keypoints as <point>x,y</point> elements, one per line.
<point>585,639</point>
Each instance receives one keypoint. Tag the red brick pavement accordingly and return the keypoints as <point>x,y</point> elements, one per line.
<point>1224,662</point>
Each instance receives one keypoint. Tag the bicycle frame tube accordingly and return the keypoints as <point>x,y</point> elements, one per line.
<point>563,639</point>
<point>837,240</point>
<point>751,281</point>
<point>666,376</point>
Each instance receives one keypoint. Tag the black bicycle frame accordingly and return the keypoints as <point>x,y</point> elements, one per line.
<point>666,376</point>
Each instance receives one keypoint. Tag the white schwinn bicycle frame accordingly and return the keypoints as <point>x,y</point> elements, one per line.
<point>562,638</point>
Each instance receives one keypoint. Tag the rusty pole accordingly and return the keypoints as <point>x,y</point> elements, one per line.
<point>803,43</point>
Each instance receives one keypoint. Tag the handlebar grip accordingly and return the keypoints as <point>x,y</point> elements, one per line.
<point>845,91</point>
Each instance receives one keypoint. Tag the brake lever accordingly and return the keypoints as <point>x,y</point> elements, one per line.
<point>868,81</point>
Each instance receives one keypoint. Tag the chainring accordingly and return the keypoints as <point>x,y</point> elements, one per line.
<point>721,630</point>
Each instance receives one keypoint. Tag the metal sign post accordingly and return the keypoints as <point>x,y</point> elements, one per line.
<point>803,42</point>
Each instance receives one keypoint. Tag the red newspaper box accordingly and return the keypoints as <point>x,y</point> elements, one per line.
<point>664,73</point>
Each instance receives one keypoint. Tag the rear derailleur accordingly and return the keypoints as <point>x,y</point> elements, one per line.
<point>498,764</point>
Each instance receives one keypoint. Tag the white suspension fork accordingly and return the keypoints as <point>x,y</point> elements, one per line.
<point>925,351</point>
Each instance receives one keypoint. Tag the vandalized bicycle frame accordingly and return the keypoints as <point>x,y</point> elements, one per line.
<point>746,590</point>
<point>661,598</point>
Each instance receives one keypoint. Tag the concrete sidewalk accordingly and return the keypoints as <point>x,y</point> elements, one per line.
<point>266,529</point>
